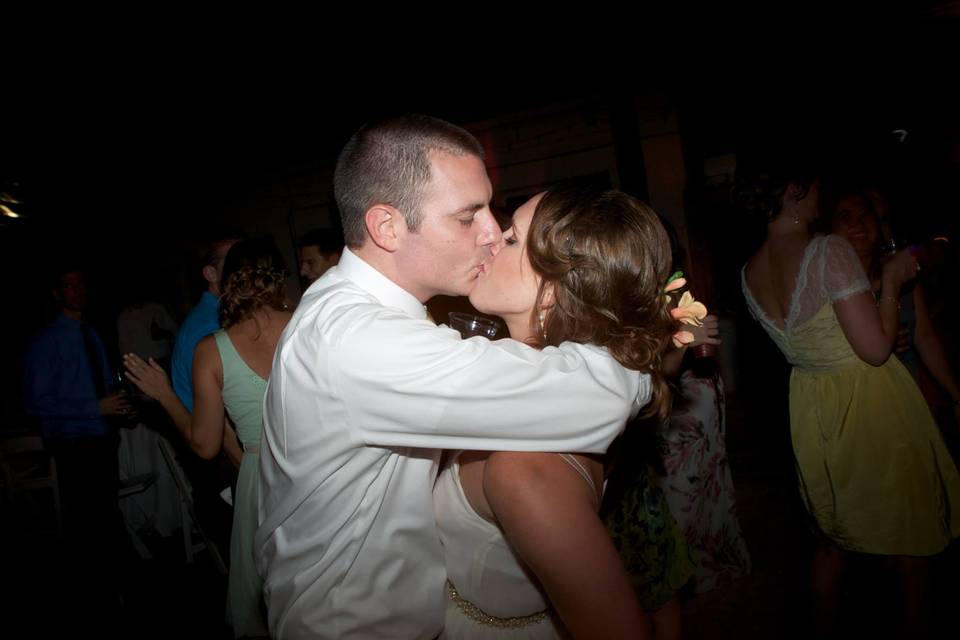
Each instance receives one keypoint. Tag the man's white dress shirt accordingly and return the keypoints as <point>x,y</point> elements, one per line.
<point>364,393</point>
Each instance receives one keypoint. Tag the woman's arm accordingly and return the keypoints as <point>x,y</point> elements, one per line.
<point>204,429</point>
<point>231,444</point>
<point>871,326</point>
<point>549,516</point>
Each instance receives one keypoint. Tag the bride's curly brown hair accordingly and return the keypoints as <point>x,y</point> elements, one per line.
<point>604,258</point>
<point>254,276</point>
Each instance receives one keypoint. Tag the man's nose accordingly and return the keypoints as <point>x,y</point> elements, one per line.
<point>490,234</point>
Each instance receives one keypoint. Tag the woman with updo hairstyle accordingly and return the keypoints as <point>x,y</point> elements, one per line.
<point>526,552</point>
<point>254,277</point>
<point>873,470</point>
<point>230,371</point>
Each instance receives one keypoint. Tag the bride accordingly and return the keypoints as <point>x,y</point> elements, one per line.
<point>527,556</point>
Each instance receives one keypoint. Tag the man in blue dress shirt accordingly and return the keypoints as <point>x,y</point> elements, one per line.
<point>202,320</point>
<point>68,388</point>
<point>209,477</point>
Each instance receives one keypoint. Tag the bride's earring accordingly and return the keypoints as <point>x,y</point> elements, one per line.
<point>540,318</point>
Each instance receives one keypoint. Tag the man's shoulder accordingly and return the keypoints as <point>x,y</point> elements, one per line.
<point>53,338</point>
<point>339,298</point>
<point>200,312</point>
<point>602,364</point>
<point>201,321</point>
<point>588,352</point>
<point>58,329</point>
<point>343,312</point>
<point>48,335</point>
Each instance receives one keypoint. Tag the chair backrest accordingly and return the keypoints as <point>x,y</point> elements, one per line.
<point>166,449</point>
<point>26,463</point>
<point>188,515</point>
<point>21,444</point>
<point>28,466</point>
<point>136,484</point>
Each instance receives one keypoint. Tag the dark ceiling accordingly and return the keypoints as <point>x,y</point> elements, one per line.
<point>102,135</point>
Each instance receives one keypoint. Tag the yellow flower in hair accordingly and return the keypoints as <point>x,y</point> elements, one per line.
<point>689,311</point>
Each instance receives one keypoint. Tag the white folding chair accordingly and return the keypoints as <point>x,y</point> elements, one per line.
<point>27,466</point>
<point>188,519</point>
<point>129,487</point>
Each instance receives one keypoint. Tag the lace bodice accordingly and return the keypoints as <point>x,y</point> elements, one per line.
<point>811,337</point>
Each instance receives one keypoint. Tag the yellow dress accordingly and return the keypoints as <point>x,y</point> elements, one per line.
<point>873,469</point>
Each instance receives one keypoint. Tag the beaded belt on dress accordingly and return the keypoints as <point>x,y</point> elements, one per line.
<point>476,614</point>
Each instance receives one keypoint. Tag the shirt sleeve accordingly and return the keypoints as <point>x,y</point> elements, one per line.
<point>181,371</point>
<point>406,382</point>
<point>843,274</point>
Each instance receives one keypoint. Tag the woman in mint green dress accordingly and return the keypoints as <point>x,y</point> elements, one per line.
<point>230,369</point>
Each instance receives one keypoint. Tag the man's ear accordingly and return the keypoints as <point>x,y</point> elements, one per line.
<point>385,226</point>
<point>210,273</point>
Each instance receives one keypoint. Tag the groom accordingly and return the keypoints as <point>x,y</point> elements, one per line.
<point>365,392</point>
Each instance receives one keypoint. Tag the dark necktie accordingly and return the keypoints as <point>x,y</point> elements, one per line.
<point>96,364</point>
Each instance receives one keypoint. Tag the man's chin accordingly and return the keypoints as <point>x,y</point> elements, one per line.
<point>468,287</point>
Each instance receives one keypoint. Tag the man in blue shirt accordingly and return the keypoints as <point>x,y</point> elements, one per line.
<point>202,320</point>
<point>68,388</point>
<point>68,379</point>
<point>209,477</point>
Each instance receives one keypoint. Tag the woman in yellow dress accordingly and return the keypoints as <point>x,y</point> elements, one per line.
<point>873,469</point>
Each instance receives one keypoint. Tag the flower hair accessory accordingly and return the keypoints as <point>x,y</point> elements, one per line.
<point>687,311</point>
<point>674,282</point>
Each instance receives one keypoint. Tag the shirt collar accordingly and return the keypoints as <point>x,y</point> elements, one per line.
<point>64,320</point>
<point>390,294</point>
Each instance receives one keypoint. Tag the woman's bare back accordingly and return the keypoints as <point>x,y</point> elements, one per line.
<point>255,339</point>
<point>771,274</point>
